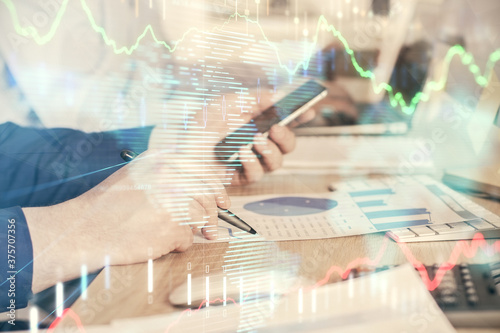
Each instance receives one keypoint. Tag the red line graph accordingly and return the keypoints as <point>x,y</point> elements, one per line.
<point>468,249</point>
<point>73,315</point>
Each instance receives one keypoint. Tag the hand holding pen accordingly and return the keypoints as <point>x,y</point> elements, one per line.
<point>223,214</point>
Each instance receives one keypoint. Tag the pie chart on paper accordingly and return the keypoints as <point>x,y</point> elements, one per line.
<point>290,206</point>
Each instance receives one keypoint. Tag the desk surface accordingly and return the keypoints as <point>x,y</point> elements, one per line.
<point>128,296</point>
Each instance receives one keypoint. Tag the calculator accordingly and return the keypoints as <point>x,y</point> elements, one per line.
<point>469,294</point>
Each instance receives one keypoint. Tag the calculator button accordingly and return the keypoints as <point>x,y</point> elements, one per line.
<point>447,285</point>
<point>465,271</point>
<point>449,300</point>
<point>473,299</point>
<point>467,278</point>
<point>450,281</point>
<point>447,292</point>
<point>470,291</point>
<point>468,284</point>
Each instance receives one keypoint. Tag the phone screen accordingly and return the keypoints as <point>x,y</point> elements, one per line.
<point>275,114</point>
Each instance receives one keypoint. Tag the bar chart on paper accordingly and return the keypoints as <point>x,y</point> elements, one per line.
<point>356,207</point>
<point>377,207</point>
<point>395,203</point>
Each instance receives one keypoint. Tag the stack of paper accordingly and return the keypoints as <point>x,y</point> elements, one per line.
<point>391,301</point>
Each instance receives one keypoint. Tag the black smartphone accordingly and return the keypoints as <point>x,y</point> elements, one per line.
<point>282,113</point>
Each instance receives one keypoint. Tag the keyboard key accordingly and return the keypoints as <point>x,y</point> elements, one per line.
<point>403,233</point>
<point>493,219</point>
<point>442,229</point>
<point>423,231</point>
<point>480,224</point>
<point>461,227</point>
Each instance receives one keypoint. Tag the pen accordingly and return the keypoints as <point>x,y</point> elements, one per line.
<point>226,216</point>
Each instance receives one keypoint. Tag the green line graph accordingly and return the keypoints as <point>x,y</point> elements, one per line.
<point>395,98</point>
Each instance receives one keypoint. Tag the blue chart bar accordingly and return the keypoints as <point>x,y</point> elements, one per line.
<point>371,203</point>
<point>371,192</point>
<point>396,212</point>
<point>402,224</point>
<point>387,219</point>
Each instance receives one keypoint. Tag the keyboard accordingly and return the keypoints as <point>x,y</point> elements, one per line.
<point>489,227</point>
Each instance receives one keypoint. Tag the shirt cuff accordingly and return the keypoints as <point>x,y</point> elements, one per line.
<point>16,262</point>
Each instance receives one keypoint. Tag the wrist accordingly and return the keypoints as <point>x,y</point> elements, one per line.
<point>59,244</point>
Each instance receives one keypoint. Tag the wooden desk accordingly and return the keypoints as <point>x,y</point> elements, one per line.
<point>128,296</point>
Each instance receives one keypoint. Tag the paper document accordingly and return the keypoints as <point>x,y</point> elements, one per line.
<point>391,301</point>
<point>356,207</point>
<point>352,154</point>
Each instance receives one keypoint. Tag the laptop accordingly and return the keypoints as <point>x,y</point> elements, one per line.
<point>483,178</point>
<point>391,63</point>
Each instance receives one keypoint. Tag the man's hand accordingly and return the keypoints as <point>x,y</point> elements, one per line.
<point>266,155</point>
<point>208,124</point>
<point>148,208</point>
<point>343,110</point>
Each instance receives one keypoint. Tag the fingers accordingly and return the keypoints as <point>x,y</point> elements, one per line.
<point>303,118</point>
<point>251,168</point>
<point>215,197</point>
<point>203,186</point>
<point>209,209</point>
<point>185,239</point>
<point>270,155</point>
<point>222,198</point>
<point>196,214</point>
<point>283,137</point>
<point>183,232</point>
<point>281,140</point>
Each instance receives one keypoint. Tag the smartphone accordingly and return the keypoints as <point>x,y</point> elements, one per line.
<point>282,113</point>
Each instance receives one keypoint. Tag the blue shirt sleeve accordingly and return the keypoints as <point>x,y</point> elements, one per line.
<point>16,261</point>
<point>41,167</point>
